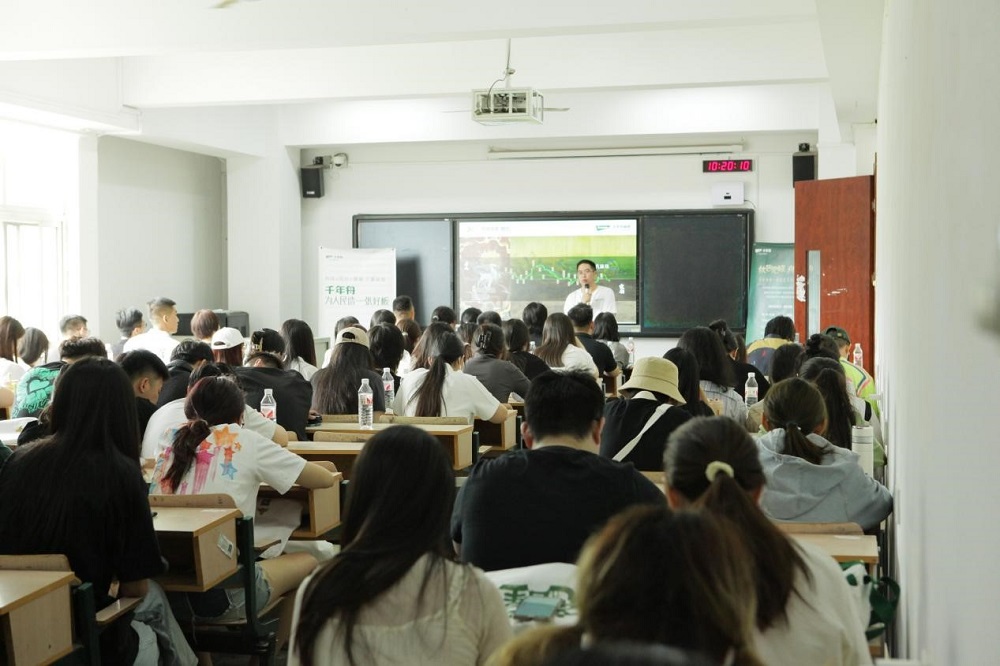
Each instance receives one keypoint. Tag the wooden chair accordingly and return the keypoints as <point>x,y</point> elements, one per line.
<point>88,622</point>
<point>820,528</point>
<point>257,634</point>
<point>424,420</point>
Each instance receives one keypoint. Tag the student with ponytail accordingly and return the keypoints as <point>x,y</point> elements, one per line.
<point>214,453</point>
<point>443,389</point>
<point>843,408</point>
<point>810,479</point>
<point>805,613</point>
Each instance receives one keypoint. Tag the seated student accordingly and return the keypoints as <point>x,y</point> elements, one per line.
<point>561,350</point>
<point>386,343</point>
<point>778,331</point>
<point>809,479</point>
<point>445,315</point>
<point>534,316</point>
<point>784,364</point>
<point>688,382</point>
<point>73,326</point>
<point>147,373</point>
<point>382,317</point>
<point>652,576</point>
<point>516,334</point>
<point>34,390</point>
<point>11,333</point>
<point>540,504</point>
<point>821,345</point>
<point>33,348</point>
<point>636,428</point>
<point>490,365</point>
<point>80,493</point>
<point>167,419</point>
<point>430,339</point>
<point>164,321</point>
<point>348,322</point>
<point>184,359</point>
<point>741,369</point>
<point>204,324</point>
<point>292,394</point>
<point>467,334</point>
<point>214,453</point>
<point>606,330</point>
<point>582,317</point>
<point>300,348</point>
<point>402,307</point>
<point>130,324</point>
<point>806,613</point>
<point>335,387</point>
<point>470,315</point>
<point>715,373</point>
<point>395,594</point>
<point>859,382</point>
<point>844,409</point>
<point>489,317</point>
<point>267,340</point>
<point>444,390</point>
<point>227,346</point>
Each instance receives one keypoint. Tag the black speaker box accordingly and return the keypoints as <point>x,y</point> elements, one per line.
<point>312,182</point>
<point>803,167</point>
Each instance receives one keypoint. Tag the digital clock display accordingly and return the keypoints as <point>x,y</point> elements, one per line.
<point>726,166</point>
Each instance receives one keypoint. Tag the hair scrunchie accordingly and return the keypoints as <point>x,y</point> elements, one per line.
<point>791,424</point>
<point>717,466</point>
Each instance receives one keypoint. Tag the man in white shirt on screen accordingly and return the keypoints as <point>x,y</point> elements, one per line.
<point>600,299</point>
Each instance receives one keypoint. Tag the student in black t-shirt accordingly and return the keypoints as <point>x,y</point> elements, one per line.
<point>147,372</point>
<point>516,334</point>
<point>184,359</point>
<point>540,505</point>
<point>80,492</point>
<point>651,398</point>
<point>582,316</point>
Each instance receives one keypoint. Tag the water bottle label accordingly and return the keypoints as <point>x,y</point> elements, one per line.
<point>367,400</point>
<point>389,387</point>
<point>268,413</point>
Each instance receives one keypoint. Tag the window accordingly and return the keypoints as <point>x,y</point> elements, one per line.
<point>32,248</point>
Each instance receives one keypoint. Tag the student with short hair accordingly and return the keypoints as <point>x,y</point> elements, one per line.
<point>443,389</point>
<point>130,324</point>
<point>381,317</point>
<point>491,367</point>
<point>859,382</point>
<point>80,492</point>
<point>184,359</point>
<point>291,392</point>
<point>164,321</point>
<point>805,609</point>
<point>489,317</point>
<point>582,316</point>
<point>147,373</point>
<point>402,307</point>
<point>300,348</point>
<point>540,504</point>
<point>470,315</point>
<point>33,348</point>
<point>560,348</point>
<point>778,331</point>
<point>810,479</point>
<point>394,593</point>
<point>204,324</point>
<point>73,326</point>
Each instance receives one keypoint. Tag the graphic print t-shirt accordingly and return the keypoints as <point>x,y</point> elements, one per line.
<point>34,391</point>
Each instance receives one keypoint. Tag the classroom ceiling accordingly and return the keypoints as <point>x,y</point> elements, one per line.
<point>342,72</point>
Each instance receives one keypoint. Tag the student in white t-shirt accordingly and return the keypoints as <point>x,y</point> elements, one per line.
<point>214,453</point>
<point>560,348</point>
<point>444,390</point>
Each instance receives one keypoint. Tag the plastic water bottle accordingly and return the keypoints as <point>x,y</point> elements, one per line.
<point>531,347</point>
<point>366,401</point>
<point>630,347</point>
<point>268,405</point>
<point>750,390</point>
<point>389,386</point>
<point>859,356</point>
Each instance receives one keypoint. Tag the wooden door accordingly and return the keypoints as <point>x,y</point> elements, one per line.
<point>835,259</point>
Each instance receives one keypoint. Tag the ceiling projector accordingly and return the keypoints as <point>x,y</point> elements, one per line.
<point>507,105</point>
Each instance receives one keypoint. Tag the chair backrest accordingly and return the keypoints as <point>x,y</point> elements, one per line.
<point>34,562</point>
<point>359,437</point>
<point>340,418</point>
<point>427,420</point>
<point>207,501</point>
<point>820,528</point>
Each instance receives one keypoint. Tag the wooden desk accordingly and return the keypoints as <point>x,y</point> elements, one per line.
<point>457,440</point>
<point>199,544</point>
<point>35,616</point>
<point>497,436</point>
<point>844,547</point>
<point>322,505</point>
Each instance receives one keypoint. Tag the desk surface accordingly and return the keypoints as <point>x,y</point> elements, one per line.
<point>325,448</point>
<point>354,428</point>
<point>21,587</point>
<point>844,547</point>
<point>194,520</point>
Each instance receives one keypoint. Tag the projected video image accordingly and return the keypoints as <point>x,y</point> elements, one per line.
<point>504,265</point>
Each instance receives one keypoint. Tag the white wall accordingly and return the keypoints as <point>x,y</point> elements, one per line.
<point>455,179</point>
<point>162,230</point>
<point>937,262</point>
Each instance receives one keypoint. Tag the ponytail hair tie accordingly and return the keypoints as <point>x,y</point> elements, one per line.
<point>717,466</point>
<point>791,424</point>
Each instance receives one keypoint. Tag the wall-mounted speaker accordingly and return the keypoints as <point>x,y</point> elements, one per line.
<point>312,182</point>
<point>803,167</point>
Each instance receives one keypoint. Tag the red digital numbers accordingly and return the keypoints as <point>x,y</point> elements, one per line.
<point>714,166</point>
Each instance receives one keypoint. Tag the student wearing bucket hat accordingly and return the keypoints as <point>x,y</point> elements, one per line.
<point>636,428</point>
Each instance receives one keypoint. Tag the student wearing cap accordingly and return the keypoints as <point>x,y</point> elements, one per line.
<point>335,387</point>
<point>859,381</point>
<point>227,346</point>
<point>636,428</point>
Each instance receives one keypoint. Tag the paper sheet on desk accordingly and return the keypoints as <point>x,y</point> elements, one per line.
<point>276,518</point>
<point>556,579</point>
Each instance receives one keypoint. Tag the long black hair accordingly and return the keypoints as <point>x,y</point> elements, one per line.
<point>398,509</point>
<point>299,341</point>
<point>707,347</point>
<point>211,401</point>
<point>692,452</point>
<point>335,387</point>
<point>430,401</point>
<point>687,381</point>
<point>828,376</point>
